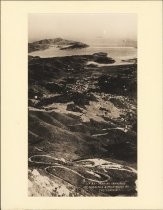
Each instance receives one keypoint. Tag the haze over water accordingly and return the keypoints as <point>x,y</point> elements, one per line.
<point>85,27</point>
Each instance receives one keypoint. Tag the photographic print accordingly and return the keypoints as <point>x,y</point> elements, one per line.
<point>82,104</point>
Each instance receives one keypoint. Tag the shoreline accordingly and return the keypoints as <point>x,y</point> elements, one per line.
<point>55,52</point>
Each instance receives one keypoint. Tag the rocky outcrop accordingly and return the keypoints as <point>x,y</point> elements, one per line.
<point>102,58</point>
<point>77,45</point>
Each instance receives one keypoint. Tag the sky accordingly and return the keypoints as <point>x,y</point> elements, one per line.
<point>81,27</point>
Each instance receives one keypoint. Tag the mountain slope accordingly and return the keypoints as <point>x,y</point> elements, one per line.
<point>82,127</point>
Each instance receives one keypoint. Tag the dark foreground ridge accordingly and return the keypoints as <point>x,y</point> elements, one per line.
<point>82,127</point>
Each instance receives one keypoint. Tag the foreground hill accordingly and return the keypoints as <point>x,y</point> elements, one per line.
<point>57,42</point>
<point>82,127</point>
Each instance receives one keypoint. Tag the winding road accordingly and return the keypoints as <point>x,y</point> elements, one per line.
<point>58,168</point>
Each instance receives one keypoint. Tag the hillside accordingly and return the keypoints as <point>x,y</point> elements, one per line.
<point>57,42</point>
<point>82,127</point>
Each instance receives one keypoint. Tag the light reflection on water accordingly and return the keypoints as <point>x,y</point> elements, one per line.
<point>117,53</point>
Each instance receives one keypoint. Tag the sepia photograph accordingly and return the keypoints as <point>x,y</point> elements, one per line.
<point>82,104</point>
